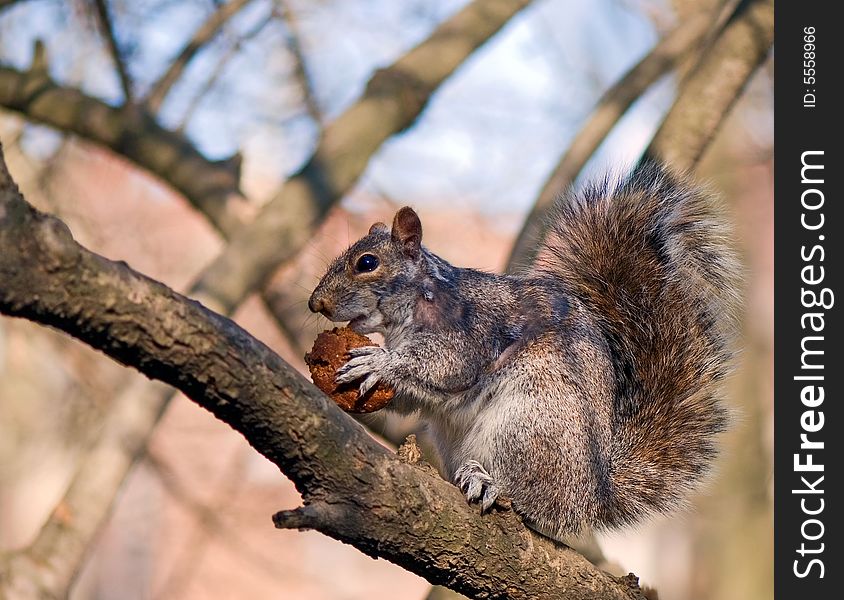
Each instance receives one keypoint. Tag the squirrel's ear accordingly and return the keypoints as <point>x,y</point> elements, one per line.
<point>407,231</point>
<point>378,227</point>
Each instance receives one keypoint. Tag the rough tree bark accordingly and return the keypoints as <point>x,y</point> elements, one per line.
<point>353,489</point>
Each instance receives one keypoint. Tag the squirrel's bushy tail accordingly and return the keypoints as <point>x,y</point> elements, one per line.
<point>649,258</point>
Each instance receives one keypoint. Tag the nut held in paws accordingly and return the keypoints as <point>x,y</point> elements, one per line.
<point>328,355</point>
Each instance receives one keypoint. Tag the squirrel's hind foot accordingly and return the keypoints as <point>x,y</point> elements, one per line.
<point>477,485</point>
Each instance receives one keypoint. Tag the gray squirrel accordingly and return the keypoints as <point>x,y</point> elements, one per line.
<point>584,389</point>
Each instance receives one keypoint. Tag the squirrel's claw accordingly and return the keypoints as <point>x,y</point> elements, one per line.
<point>366,363</point>
<point>477,484</point>
<point>364,351</point>
<point>368,383</point>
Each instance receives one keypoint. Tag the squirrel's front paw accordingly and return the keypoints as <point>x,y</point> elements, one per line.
<point>367,363</point>
<point>477,484</point>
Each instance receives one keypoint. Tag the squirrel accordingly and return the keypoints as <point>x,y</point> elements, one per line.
<point>584,389</point>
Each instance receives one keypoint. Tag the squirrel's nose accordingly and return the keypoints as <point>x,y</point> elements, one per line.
<point>316,304</point>
<point>320,305</point>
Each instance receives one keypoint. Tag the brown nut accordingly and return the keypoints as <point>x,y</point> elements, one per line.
<point>328,355</point>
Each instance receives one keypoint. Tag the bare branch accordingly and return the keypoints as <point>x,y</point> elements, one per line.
<point>293,38</point>
<point>219,67</point>
<point>353,489</point>
<point>107,27</point>
<point>206,32</point>
<point>211,186</point>
<point>610,108</point>
<point>394,98</point>
<point>715,85</point>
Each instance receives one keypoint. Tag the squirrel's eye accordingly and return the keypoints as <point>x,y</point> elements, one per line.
<point>366,263</point>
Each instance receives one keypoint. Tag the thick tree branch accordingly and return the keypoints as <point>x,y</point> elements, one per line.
<point>671,50</point>
<point>206,32</point>
<point>213,187</point>
<point>715,85</point>
<point>353,489</point>
<point>107,27</point>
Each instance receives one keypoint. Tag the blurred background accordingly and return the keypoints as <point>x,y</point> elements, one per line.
<point>193,518</point>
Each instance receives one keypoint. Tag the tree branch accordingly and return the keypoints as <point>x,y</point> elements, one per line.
<point>714,85</point>
<point>219,68</point>
<point>107,27</point>
<point>292,36</point>
<point>353,489</point>
<point>206,32</point>
<point>394,98</point>
<point>704,101</point>
<point>610,108</point>
<point>213,187</point>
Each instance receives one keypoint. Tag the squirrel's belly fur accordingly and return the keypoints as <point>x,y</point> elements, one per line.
<point>585,389</point>
<point>506,429</point>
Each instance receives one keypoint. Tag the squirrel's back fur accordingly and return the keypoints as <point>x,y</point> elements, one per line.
<point>650,260</point>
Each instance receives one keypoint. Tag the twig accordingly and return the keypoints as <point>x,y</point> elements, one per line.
<point>107,27</point>
<point>206,32</point>
<point>219,67</point>
<point>293,37</point>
